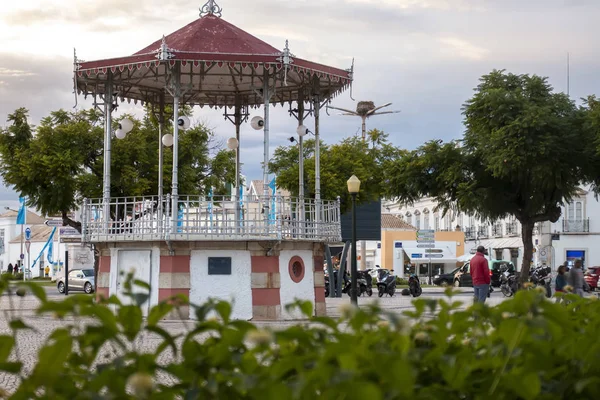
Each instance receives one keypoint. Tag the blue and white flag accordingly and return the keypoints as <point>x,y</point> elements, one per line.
<point>179,218</point>
<point>96,212</point>
<point>241,216</point>
<point>48,243</point>
<point>210,204</point>
<point>272,211</point>
<point>51,250</point>
<point>22,214</point>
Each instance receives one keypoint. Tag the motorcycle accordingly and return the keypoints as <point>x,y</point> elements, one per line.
<point>345,286</point>
<point>386,282</point>
<point>364,282</point>
<point>508,282</point>
<point>414,285</point>
<point>542,276</point>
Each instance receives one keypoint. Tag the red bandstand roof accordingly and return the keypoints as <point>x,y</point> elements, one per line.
<point>217,63</point>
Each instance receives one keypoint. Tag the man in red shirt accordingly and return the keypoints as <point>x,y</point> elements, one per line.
<point>480,273</point>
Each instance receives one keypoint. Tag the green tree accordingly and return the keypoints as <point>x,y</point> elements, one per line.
<point>352,156</point>
<point>63,162</point>
<point>524,153</point>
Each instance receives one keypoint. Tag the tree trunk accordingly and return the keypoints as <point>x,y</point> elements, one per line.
<point>527,237</point>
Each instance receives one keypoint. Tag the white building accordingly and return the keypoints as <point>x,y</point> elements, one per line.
<point>573,237</point>
<point>13,244</point>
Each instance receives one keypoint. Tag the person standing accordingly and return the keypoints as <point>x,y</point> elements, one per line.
<point>10,268</point>
<point>480,273</point>
<point>561,279</point>
<point>575,278</point>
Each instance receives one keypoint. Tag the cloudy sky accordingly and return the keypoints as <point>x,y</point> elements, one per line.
<point>425,56</point>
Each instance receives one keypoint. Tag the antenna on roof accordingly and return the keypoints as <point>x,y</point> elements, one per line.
<point>568,75</point>
<point>211,8</point>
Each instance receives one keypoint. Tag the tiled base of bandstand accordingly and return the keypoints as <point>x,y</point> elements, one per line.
<point>258,285</point>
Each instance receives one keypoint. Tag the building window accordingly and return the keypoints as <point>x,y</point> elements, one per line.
<point>1,241</point>
<point>436,222</point>
<point>426,220</point>
<point>296,269</point>
<point>417,223</point>
<point>575,211</point>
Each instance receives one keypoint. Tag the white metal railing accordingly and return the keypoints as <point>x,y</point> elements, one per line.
<point>210,218</point>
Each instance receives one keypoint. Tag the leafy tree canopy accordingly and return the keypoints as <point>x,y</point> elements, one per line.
<point>524,152</point>
<point>62,162</point>
<point>352,156</point>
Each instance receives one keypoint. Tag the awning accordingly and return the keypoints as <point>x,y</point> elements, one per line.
<point>438,255</point>
<point>502,243</point>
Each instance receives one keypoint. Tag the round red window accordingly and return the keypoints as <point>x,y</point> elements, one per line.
<point>296,269</point>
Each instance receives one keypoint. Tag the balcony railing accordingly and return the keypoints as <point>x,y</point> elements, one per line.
<point>497,230</point>
<point>470,233</point>
<point>483,232</point>
<point>211,218</point>
<point>511,229</point>
<point>576,225</point>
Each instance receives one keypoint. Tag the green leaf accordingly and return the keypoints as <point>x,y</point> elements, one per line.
<point>168,339</point>
<point>158,312</point>
<point>104,314</point>
<point>6,345</point>
<point>223,308</point>
<point>11,367</point>
<point>531,385</point>
<point>130,318</point>
<point>37,290</point>
<point>140,298</point>
<point>52,356</point>
<point>142,284</point>
<point>17,324</point>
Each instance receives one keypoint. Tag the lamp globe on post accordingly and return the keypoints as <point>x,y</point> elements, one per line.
<point>353,189</point>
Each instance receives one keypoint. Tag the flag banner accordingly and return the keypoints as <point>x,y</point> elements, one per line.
<point>272,211</point>
<point>50,239</point>
<point>241,216</point>
<point>96,214</point>
<point>22,214</point>
<point>51,252</point>
<point>179,218</point>
<point>210,205</point>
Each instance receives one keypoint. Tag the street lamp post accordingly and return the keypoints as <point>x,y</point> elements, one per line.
<point>233,144</point>
<point>353,189</point>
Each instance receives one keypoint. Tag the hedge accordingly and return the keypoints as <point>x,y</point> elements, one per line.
<point>528,347</point>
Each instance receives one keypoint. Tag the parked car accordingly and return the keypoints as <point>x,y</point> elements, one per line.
<point>591,277</point>
<point>446,279</point>
<point>79,279</point>
<point>462,277</point>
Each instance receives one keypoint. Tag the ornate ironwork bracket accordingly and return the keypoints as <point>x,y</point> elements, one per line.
<point>286,59</point>
<point>351,74</point>
<point>164,52</point>
<point>211,8</point>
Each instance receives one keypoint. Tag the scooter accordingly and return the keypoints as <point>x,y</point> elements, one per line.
<point>386,282</point>
<point>364,282</point>
<point>508,282</point>
<point>414,285</point>
<point>542,276</point>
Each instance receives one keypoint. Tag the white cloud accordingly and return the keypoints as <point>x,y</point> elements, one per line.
<point>462,48</point>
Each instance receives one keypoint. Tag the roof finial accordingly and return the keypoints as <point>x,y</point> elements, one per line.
<point>164,52</point>
<point>286,59</point>
<point>210,8</point>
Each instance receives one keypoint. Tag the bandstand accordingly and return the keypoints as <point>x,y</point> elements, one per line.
<point>260,252</point>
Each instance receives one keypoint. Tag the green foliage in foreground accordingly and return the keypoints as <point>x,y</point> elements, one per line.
<point>525,348</point>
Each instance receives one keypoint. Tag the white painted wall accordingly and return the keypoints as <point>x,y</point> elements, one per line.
<point>129,259</point>
<point>588,243</point>
<point>235,288</point>
<point>291,291</point>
